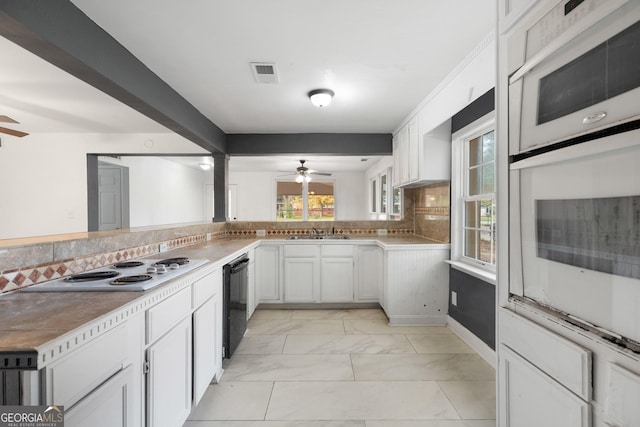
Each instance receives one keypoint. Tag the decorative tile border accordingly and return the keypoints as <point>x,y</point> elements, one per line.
<point>16,279</point>
<point>433,210</point>
<point>293,231</point>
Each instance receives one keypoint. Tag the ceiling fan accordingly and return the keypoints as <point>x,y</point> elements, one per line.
<point>303,173</point>
<point>12,132</point>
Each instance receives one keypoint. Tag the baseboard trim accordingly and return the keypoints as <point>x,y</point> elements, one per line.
<point>408,320</point>
<point>486,352</point>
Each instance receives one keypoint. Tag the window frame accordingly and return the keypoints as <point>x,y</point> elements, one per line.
<point>459,195</point>
<point>305,199</point>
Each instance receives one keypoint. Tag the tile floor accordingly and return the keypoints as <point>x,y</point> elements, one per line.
<point>347,368</point>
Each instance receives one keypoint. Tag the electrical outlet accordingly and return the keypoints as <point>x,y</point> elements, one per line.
<point>208,236</point>
<point>163,247</point>
<point>382,231</point>
<point>454,298</point>
<point>261,233</point>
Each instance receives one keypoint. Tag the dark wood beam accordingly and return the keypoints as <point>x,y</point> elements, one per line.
<point>60,33</point>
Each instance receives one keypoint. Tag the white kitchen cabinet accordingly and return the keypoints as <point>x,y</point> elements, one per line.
<point>112,404</point>
<point>301,279</point>
<point>369,270</point>
<point>336,273</point>
<point>420,156</point>
<point>207,332</point>
<point>525,390</point>
<point>416,283</point>
<point>413,141</point>
<point>267,273</point>
<point>252,300</point>
<point>336,283</point>
<point>301,273</point>
<point>107,369</point>
<point>169,377</point>
<point>207,348</point>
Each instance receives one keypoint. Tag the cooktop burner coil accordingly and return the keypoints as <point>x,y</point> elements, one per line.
<point>128,264</point>
<point>92,276</point>
<point>169,261</point>
<point>129,280</point>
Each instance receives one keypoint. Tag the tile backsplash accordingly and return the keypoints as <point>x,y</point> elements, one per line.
<point>426,214</point>
<point>432,211</point>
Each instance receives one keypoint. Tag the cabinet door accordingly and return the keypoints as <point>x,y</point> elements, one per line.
<point>169,377</point>
<point>207,356</point>
<point>369,273</point>
<point>301,279</point>
<point>524,390</point>
<point>113,404</point>
<point>413,142</point>
<point>404,155</point>
<point>396,160</point>
<point>336,283</point>
<point>267,273</point>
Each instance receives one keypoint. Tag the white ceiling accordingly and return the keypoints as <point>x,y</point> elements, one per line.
<point>381,58</point>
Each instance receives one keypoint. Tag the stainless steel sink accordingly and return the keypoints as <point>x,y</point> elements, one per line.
<point>319,237</point>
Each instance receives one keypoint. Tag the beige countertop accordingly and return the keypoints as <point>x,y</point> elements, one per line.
<point>30,320</point>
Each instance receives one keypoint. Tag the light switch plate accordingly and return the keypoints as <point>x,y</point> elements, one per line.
<point>382,231</point>
<point>454,298</point>
<point>261,233</point>
<point>163,247</point>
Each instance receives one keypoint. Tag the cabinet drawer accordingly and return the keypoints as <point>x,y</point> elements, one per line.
<point>336,250</point>
<point>167,314</point>
<point>297,251</point>
<point>206,287</point>
<point>75,375</point>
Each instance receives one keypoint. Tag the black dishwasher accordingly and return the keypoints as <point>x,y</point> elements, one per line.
<point>235,304</point>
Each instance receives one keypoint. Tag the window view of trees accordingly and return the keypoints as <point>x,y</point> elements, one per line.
<point>319,197</point>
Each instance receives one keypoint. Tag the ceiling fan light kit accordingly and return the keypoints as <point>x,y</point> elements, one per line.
<point>321,97</point>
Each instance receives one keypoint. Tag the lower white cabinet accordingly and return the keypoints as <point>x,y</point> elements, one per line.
<point>531,398</point>
<point>169,377</point>
<point>207,345</point>
<point>113,404</point>
<point>416,283</point>
<point>301,279</point>
<point>252,300</point>
<point>267,273</point>
<point>336,284</point>
<point>369,273</point>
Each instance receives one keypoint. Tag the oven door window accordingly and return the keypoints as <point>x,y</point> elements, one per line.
<point>608,70</point>
<point>580,237</point>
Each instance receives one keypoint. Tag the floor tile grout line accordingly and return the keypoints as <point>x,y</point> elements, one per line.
<point>266,409</point>
<point>448,399</point>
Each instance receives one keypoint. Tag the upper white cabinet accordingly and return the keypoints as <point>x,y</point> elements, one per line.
<point>421,157</point>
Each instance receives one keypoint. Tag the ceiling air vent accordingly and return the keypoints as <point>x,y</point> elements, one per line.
<point>264,72</point>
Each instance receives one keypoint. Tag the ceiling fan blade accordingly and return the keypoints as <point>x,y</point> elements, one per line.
<point>321,173</point>
<point>13,132</point>
<point>7,119</point>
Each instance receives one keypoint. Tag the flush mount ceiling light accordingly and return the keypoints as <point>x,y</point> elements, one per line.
<point>321,97</point>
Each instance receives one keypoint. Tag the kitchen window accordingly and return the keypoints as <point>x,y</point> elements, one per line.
<point>474,243</point>
<point>307,201</point>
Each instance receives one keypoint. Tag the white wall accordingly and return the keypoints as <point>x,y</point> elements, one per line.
<point>43,177</point>
<point>174,196</point>
<point>257,195</point>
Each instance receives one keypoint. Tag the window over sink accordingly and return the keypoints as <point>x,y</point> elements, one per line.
<point>306,201</point>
